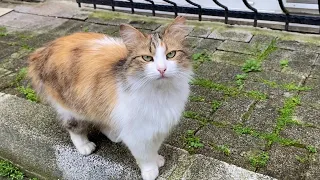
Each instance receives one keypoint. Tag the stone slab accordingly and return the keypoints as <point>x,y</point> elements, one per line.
<point>240,146</point>
<point>207,45</point>
<point>283,163</point>
<point>65,9</point>
<point>242,47</point>
<point>234,35</point>
<point>29,22</point>
<point>200,32</point>
<point>298,46</point>
<point>31,137</point>
<point>232,58</point>
<point>4,11</point>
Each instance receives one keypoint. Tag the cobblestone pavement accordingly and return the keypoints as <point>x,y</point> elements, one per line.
<point>255,98</point>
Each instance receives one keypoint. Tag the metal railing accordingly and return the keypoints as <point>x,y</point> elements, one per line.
<point>286,16</point>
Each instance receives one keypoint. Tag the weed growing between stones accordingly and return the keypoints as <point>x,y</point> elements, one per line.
<point>26,90</point>
<point>85,29</point>
<point>284,63</point>
<point>199,58</point>
<point>192,142</point>
<point>8,170</point>
<point>303,159</point>
<point>240,78</point>
<point>193,115</point>
<point>311,149</point>
<point>288,86</point>
<point>215,105</point>
<point>196,98</point>
<point>224,149</point>
<point>259,160</point>
<point>251,65</point>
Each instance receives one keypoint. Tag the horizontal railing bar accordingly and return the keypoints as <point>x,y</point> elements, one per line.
<point>300,19</point>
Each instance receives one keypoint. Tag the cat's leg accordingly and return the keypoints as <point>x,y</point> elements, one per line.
<point>78,130</point>
<point>113,135</point>
<point>146,154</point>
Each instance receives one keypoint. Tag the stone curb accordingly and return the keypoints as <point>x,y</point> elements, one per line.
<point>31,137</point>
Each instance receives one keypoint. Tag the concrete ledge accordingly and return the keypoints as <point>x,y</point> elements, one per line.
<point>31,138</point>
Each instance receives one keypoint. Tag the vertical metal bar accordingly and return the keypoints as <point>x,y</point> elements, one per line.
<point>79,4</point>
<point>94,4</point>
<point>226,10</point>
<point>153,9</point>
<point>132,7</point>
<point>286,12</point>
<point>199,7</point>
<point>175,7</point>
<point>112,5</point>
<point>319,6</point>
<point>252,9</point>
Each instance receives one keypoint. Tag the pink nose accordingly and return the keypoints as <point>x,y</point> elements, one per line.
<point>162,70</point>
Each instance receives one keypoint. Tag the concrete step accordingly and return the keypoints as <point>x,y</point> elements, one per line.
<point>31,137</point>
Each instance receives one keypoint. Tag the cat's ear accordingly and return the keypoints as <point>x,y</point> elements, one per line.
<point>130,35</point>
<point>177,29</point>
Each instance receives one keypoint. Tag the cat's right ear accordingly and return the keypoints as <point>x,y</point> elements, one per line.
<point>130,35</point>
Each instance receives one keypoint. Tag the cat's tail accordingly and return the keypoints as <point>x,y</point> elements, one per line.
<point>36,63</point>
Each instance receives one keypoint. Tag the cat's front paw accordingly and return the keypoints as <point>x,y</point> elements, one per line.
<point>87,148</point>
<point>160,160</point>
<point>151,174</point>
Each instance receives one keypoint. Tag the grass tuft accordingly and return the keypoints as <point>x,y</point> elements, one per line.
<point>8,170</point>
<point>259,160</point>
<point>192,142</point>
<point>199,58</point>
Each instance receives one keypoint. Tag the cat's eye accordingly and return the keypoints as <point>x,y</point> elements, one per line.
<point>171,54</point>
<point>147,58</point>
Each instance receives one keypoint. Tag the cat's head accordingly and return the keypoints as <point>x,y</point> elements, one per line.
<point>159,56</point>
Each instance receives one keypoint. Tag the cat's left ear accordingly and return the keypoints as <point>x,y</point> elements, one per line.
<point>177,29</point>
<point>130,35</point>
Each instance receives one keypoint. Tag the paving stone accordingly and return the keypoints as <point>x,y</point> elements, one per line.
<point>4,11</point>
<point>255,82</point>
<point>230,57</point>
<point>144,24</point>
<point>298,46</point>
<point>307,114</point>
<point>16,60</point>
<point>283,163</point>
<point>207,45</point>
<point>207,168</point>
<point>63,9</point>
<point>218,72</point>
<point>312,97</point>
<point>6,78</point>
<point>242,47</point>
<point>315,73</point>
<point>306,135</point>
<point>176,138</point>
<point>262,39</point>
<point>200,32</point>
<point>240,145</point>
<point>300,62</point>
<point>7,50</point>
<point>232,110</point>
<point>313,171</point>
<point>264,115</point>
<point>192,42</point>
<point>30,22</point>
<point>233,35</point>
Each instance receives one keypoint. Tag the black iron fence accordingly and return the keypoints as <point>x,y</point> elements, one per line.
<point>286,16</point>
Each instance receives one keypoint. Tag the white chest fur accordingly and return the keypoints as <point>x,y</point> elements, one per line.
<point>151,111</point>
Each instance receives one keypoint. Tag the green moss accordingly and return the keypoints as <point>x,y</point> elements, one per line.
<point>29,93</point>
<point>85,29</point>
<point>286,113</point>
<point>21,75</point>
<point>8,170</point>
<point>192,142</point>
<point>240,78</point>
<point>256,95</point>
<point>251,65</point>
<point>259,160</point>
<point>193,115</point>
<point>197,98</point>
<point>225,149</point>
<point>284,63</point>
<point>219,87</point>
<point>311,149</point>
<point>288,86</point>
<point>199,58</point>
<point>301,159</point>
<point>3,31</point>
<point>215,105</point>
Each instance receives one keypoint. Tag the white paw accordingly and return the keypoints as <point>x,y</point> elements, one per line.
<point>160,161</point>
<point>151,174</point>
<point>87,148</point>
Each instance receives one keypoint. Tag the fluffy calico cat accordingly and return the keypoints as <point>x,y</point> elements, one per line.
<point>134,88</point>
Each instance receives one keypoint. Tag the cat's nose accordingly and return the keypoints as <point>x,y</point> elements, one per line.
<point>162,70</point>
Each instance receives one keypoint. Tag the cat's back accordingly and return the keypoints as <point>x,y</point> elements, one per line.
<point>76,68</point>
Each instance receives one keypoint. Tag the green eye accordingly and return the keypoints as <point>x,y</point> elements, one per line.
<point>171,54</point>
<point>147,58</point>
